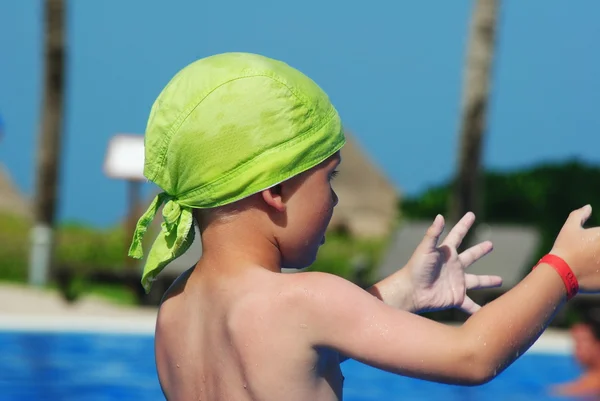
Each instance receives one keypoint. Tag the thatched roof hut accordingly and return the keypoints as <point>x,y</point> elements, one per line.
<point>368,205</point>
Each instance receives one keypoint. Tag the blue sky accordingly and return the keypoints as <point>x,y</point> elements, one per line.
<point>393,69</point>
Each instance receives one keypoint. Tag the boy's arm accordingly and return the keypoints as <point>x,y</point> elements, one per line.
<point>396,291</point>
<point>347,319</point>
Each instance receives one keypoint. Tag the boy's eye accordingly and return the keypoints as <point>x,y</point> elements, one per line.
<point>333,175</point>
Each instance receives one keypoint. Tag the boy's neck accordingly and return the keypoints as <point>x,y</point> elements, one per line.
<point>234,246</point>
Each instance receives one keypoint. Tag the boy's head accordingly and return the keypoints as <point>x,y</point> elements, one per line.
<point>293,215</point>
<point>228,128</point>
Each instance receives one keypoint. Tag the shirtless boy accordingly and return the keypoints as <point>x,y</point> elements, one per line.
<point>246,147</point>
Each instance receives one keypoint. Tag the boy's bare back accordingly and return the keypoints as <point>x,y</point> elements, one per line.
<point>230,335</point>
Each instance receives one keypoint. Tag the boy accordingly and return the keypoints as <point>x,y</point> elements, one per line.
<point>247,147</point>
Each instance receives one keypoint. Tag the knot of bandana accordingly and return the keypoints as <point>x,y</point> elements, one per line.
<point>174,240</point>
<point>171,213</point>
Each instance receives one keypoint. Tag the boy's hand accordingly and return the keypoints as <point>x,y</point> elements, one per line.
<point>580,248</point>
<point>437,272</point>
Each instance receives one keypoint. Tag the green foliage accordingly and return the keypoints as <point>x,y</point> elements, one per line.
<point>84,249</point>
<point>14,237</point>
<point>79,247</point>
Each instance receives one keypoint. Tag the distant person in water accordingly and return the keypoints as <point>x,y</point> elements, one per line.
<point>586,341</point>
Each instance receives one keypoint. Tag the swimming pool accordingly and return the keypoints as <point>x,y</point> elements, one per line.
<point>95,366</point>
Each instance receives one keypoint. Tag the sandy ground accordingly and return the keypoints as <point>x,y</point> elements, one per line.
<point>32,309</point>
<point>23,300</point>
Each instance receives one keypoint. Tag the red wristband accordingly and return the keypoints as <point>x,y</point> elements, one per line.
<point>565,272</point>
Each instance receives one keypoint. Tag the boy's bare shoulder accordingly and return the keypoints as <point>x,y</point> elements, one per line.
<point>296,304</point>
<point>323,284</point>
<point>177,286</point>
<point>295,298</point>
<point>319,293</point>
<point>278,297</point>
<point>321,281</point>
<point>294,290</point>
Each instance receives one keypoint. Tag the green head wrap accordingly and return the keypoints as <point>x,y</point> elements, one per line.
<point>226,127</point>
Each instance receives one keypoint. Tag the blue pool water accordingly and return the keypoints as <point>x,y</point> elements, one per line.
<point>103,367</point>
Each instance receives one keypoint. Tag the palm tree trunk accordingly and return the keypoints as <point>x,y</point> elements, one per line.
<point>467,189</point>
<point>49,145</point>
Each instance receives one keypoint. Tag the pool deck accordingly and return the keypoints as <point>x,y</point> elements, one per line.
<point>29,309</point>
<point>32,309</point>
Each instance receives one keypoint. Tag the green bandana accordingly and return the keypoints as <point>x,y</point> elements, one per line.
<point>224,128</point>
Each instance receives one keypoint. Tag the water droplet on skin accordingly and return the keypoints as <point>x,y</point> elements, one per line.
<point>177,366</point>
<point>245,385</point>
<point>303,326</point>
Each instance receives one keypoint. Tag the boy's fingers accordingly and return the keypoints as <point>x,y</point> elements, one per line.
<point>433,232</point>
<point>474,253</point>
<point>473,282</point>
<point>460,230</point>
<point>469,306</point>
<point>580,216</point>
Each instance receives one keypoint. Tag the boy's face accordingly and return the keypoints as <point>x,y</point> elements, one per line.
<point>309,207</point>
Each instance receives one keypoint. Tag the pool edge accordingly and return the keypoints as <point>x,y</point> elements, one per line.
<point>551,342</point>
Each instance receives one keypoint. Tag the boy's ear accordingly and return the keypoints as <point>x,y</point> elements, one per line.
<point>273,198</point>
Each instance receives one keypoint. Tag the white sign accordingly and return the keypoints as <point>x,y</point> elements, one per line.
<point>125,157</point>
